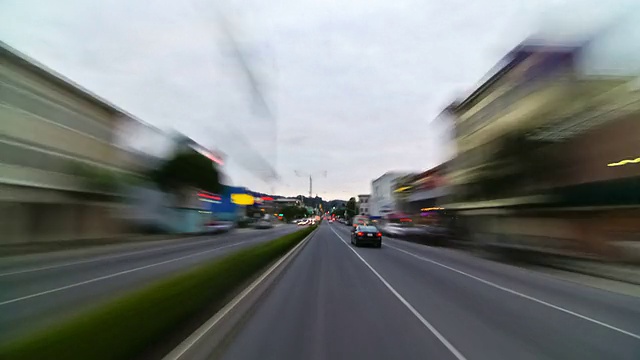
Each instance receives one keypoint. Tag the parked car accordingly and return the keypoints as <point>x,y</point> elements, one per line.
<point>396,229</point>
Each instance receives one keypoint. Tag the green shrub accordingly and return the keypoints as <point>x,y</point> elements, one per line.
<point>125,327</point>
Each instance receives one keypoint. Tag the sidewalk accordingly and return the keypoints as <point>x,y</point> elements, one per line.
<point>619,272</point>
<point>626,273</point>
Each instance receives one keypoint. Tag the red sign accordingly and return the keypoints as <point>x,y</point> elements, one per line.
<point>210,196</point>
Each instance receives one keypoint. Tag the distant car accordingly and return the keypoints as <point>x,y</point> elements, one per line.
<point>304,222</point>
<point>263,224</point>
<point>366,234</point>
<point>360,220</point>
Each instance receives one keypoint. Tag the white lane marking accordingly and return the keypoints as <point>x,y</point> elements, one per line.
<point>109,257</point>
<point>206,327</point>
<point>415,312</point>
<point>101,258</point>
<point>611,327</point>
<point>117,274</point>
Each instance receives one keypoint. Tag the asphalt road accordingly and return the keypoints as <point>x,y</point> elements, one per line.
<point>409,301</point>
<point>37,291</point>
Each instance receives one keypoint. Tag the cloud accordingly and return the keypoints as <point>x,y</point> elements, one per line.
<point>353,85</point>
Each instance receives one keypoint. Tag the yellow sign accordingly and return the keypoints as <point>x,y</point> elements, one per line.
<point>242,199</point>
<point>403,189</point>
<point>431,209</point>
<point>625,162</point>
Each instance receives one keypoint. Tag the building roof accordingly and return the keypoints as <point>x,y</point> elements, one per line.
<point>515,57</point>
<point>393,173</point>
<point>19,59</point>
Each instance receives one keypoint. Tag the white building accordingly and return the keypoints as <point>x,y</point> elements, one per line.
<point>382,201</point>
<point>364,205</point>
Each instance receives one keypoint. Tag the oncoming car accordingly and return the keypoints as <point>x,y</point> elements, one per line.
<point>366,235</point>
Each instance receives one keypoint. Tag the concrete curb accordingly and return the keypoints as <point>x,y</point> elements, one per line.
<point>211,335</point>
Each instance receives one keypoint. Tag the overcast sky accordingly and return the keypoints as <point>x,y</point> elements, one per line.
<point>352,87</point>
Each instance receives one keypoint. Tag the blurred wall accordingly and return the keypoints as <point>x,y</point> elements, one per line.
<point>50,129</point>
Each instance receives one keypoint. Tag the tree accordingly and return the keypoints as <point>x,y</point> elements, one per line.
<point>293,212</point>
<point>104,182</point>
<point>338,211</point>
<point>187,169</point>
<point>351,208</point>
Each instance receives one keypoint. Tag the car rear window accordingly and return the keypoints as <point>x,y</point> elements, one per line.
<point>368,228</point>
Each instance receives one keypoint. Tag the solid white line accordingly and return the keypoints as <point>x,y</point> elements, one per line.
<point>415,312</point>
<point>206,327</point>
<point>117,274</point>
<point>518,293</point>
<point>109,257</point>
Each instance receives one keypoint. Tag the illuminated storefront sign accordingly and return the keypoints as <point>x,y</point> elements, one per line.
<point>212,198</point>
<point>625,162</point>
<point>242,199</point>
<point>431,209</point>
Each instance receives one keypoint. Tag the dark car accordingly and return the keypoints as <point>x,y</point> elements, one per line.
<point>366,235</point>
<point>263,224</point>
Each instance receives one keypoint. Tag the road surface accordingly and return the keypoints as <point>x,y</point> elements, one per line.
<point>409,301</point>
<point>41,290</point>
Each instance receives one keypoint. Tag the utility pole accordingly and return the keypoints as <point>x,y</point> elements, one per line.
<point>310,175</point>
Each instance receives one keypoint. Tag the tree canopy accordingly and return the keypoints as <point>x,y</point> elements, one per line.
<point>351,208</point>
<point>293,212</point>
<point>188,168</point>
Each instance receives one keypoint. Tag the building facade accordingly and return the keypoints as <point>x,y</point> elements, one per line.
<point>364,205</point>
<point>424,190</point>
<point>382,198</point>
<point>53,134</point>
<point>545,151</point>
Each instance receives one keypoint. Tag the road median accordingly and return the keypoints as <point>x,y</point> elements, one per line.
<point>130,325</point>
<point>210,340</point>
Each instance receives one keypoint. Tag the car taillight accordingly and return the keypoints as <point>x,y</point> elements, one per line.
<point>359,233</point>
<point>379,234</point>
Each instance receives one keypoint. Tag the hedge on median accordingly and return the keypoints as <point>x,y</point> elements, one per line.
<point>126,327</point>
